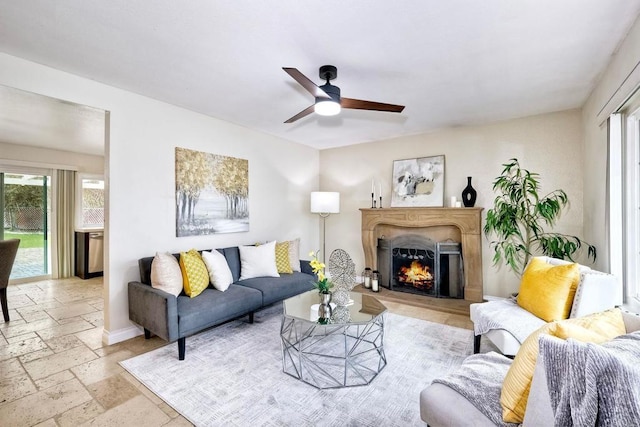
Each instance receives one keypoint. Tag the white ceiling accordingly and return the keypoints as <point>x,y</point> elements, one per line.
<point>450,63</point>
<point>30,119</point>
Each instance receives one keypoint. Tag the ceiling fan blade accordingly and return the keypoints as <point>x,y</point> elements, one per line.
<point>359,104</point>
<point>306,83</point>
<point>301,114</point>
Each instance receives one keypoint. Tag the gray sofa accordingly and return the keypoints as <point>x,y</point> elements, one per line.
<point>174,319</point>
<point>442,406</point>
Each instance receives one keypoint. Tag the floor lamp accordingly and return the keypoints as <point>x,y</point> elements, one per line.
<point>324,203</point>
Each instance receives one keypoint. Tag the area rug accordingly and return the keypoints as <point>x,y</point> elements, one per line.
<point>232,375</point>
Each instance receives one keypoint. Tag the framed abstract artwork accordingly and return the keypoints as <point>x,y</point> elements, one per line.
<point>418,182</point>
<point>212,193</point>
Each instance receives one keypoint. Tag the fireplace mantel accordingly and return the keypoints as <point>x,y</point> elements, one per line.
<point>467,220</point>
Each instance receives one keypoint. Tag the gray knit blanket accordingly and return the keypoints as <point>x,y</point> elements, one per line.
<point>593,385</point>
<point>507,315</point>
<point>479,380</point>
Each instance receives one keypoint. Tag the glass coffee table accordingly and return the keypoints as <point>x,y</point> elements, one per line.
<point>348,351</point>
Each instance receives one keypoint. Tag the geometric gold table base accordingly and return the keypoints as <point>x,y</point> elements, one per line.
<point>333,355</point>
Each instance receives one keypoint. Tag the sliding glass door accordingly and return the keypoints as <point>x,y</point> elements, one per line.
<point>25,202</point>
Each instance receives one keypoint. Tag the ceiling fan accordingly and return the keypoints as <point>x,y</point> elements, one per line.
<point>328,99</point>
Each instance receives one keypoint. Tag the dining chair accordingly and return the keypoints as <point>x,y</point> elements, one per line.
<point>8,251</point>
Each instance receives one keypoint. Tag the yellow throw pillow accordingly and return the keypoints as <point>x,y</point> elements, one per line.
<point>595,328</point>
<point>195,275</point>
<point>547,290</point>
<point>283,264</point>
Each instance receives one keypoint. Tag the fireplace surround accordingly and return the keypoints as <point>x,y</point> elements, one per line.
<point>461,225</point>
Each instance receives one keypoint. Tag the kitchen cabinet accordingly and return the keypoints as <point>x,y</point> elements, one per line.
<point>89,253</point>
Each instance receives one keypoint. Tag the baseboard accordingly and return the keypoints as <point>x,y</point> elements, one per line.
<point>113,337</point>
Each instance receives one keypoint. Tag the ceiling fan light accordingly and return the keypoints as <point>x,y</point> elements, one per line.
<point>327,108</point>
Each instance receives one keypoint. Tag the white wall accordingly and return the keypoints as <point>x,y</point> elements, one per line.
<point>619,80</point>
<point>23,153</point>
<point>550,144</point>
<point>140,177</point>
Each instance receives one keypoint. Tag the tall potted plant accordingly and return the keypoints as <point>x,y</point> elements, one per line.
<point>519,217</point>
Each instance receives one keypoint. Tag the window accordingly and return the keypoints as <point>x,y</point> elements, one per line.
<point>624,196</point>
<point>631,203</point>
<point>91,202</point>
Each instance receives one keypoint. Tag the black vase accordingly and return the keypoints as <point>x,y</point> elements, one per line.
<point>469,195</point>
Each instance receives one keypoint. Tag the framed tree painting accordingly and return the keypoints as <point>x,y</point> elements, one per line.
<point>212,193</point>
<point>418,182</point>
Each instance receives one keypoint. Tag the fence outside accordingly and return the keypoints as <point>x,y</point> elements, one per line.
<point>29,218</point>
<point>93,216</point>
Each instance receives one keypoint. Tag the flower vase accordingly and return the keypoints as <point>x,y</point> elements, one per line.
<point>324,310</point>
<point>469,195</point>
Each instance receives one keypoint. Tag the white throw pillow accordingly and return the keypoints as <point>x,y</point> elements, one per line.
<point>219,272</point>
<point>294,254</point>
<point>166,274</point>
<point>258,261</point>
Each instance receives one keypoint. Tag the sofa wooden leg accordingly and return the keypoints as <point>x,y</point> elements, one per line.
<point>147,334</point>
<point>181,348</point>
<point>476,344</point>
<point>251,317</point>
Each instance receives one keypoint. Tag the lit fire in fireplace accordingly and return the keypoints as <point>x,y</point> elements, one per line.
<point>417,275</point>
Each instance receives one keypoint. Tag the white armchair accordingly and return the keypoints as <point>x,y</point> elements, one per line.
<point>507,325</point>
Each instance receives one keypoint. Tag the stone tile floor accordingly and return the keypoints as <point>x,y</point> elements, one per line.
<point>55,371</point>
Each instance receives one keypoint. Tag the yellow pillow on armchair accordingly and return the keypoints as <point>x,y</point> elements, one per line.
<point>547,290</point>
<point>595,328</point>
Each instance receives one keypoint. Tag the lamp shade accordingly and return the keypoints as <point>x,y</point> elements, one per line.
<point>325,202</point>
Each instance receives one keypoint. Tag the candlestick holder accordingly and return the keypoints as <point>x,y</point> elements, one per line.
<point>374,204</point>
<point>380,206</point>
<point>373,201</point>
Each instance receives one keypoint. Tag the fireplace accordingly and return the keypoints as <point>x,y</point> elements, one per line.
<point>413,269</point>
<point>446,227</point>
<point>416,264</point>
